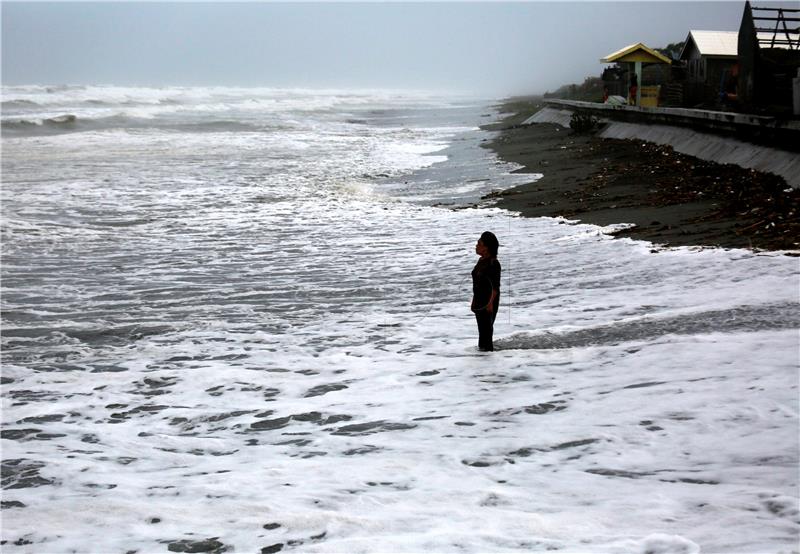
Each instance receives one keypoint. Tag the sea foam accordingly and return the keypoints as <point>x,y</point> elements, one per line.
<point>262,341</point>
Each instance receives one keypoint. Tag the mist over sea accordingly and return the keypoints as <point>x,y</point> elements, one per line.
<point>238,320</point>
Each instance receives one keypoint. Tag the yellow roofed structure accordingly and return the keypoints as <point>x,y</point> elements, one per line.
<point>636,53</point>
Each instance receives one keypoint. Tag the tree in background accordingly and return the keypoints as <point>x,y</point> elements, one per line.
<point>672,51</point>
<point>591,90</point>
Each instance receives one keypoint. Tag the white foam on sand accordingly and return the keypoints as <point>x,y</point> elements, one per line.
<point>265,360</point>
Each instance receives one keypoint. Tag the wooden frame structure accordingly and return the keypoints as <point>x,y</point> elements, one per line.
<point>789,37</point>
<point>769,57</point>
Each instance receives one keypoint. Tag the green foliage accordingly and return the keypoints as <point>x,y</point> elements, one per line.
<point>673,50</point>
<point>582,123</point>
<point>591,90</point>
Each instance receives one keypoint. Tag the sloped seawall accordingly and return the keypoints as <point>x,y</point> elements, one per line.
<point>704,134</point>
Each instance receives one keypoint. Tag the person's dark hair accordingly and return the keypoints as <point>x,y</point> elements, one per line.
<point>490,242</point>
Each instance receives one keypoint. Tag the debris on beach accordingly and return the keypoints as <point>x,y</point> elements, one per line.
<point>767,212</point>
<point>673,199</point>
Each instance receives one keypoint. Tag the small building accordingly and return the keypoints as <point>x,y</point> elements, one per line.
<point>636,55</point>
<point>710,57</point>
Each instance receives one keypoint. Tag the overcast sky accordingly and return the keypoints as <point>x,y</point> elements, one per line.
<point>491,47</point>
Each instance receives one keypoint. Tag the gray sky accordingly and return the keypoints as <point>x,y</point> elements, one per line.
<point>491,47</point>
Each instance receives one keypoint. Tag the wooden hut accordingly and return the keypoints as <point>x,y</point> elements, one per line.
<point>636,55</point>
<point>710,58</point>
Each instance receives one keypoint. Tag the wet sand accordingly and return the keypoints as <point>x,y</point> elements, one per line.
<point>672,199</point>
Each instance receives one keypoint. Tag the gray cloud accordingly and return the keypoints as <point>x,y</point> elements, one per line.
<point>495,48</point>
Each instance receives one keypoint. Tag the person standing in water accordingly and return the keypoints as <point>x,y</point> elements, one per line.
<point>486,289</point>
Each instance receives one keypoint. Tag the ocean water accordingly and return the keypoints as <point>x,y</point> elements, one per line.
<point>238,320</point>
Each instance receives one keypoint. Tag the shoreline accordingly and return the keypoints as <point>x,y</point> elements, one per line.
<point>672,199</point>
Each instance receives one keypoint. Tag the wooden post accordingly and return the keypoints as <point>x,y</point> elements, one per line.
<point>638,84</point>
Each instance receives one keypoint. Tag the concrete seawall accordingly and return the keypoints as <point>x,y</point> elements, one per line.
<point>703,134</point>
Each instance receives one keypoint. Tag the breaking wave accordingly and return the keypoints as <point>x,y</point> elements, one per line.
<point>36,109</point>
<point>69,123</point>
<point>61,122</point>
<point>19,104</point>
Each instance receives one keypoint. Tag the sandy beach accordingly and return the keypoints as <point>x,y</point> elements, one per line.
<point>672,199</point>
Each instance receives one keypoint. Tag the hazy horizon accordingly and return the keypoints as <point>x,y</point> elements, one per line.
<point>481,48</point>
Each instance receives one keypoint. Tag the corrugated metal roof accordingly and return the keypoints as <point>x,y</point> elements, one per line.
<point>714,43</point>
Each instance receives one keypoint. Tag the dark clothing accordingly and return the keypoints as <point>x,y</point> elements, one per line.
<point>485,279</point>
<point>485,329</point>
